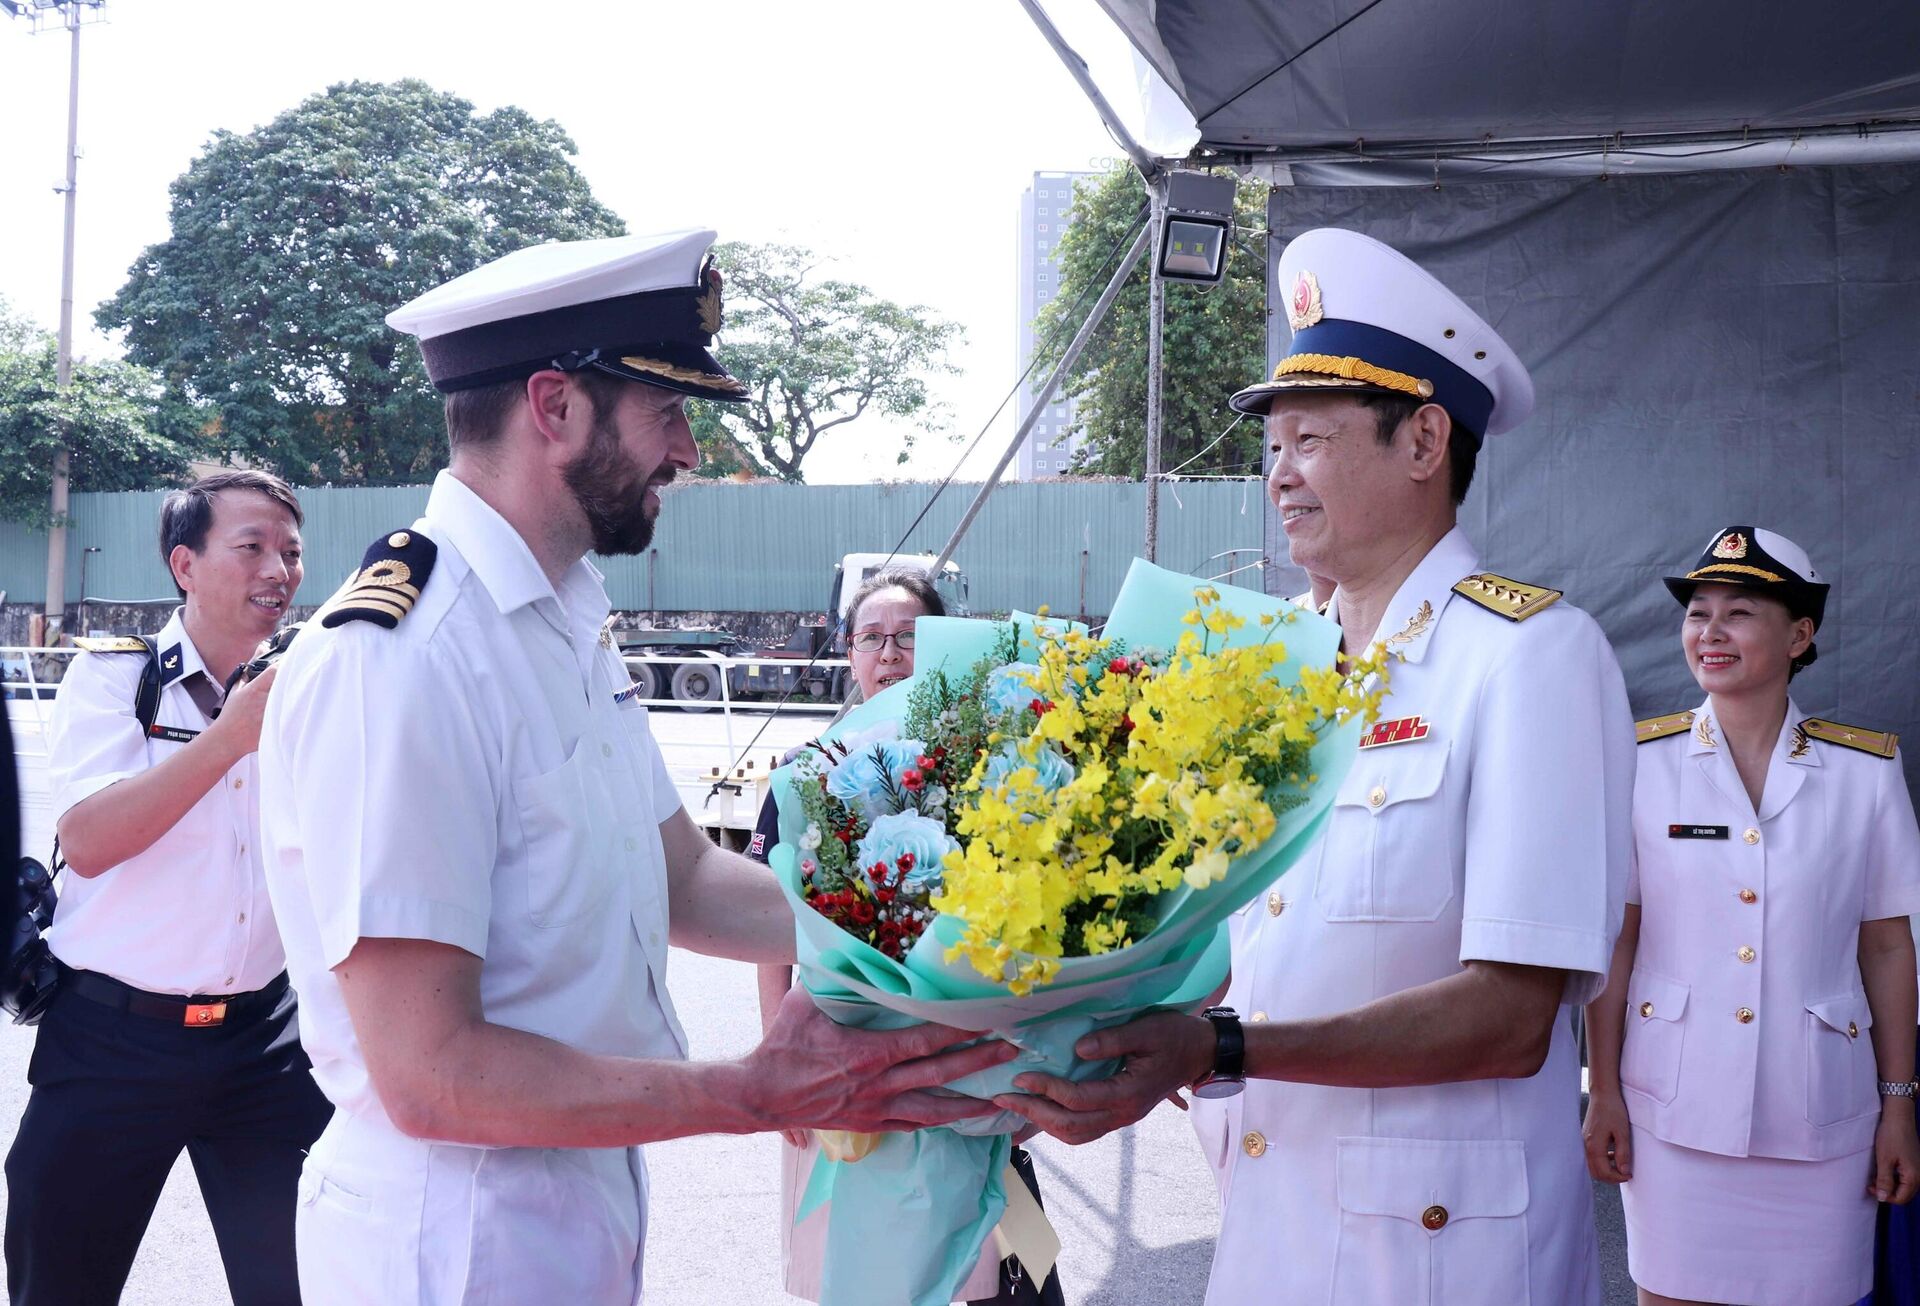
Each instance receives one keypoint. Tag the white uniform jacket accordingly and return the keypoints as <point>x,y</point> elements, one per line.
<point>190,914</point>
<point>1747,1024</point>
<point>1497,830</point>
<point>471,777</point>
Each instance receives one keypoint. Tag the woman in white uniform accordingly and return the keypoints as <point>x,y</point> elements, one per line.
<point>1753,1051</point>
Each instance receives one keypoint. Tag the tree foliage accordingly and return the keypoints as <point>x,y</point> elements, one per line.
<point>1213,340</point>
<point>292,242</point>
<point>815,353</point>
<point>115,419</point>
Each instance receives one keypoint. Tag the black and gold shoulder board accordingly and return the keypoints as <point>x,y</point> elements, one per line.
<point>1880,743</point>
<point>388,584</point>
<point>1512,599</point>
<point>113,644</point>
<point>1659,727</point>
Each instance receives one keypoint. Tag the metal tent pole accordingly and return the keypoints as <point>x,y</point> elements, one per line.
<point>1067,360</point>
<point>1156,324</point>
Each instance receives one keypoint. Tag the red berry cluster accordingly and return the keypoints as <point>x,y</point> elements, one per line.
<point>880,916</point>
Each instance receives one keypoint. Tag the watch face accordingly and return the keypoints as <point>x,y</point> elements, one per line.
<point>1219,1086</point>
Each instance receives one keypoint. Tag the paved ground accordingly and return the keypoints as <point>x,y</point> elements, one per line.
<point>1136,1212</point>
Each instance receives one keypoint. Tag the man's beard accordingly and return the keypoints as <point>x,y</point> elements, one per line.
<point>610,493</point>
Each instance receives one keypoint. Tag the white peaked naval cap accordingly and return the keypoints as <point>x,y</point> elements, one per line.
<point>1366,318</point>
<point>641,307</point>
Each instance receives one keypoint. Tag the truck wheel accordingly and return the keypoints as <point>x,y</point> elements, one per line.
<point>646,679</point>
<point>696,685</point>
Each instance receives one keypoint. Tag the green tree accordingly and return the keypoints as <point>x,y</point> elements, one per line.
<point>123,431</point>
<point>1213,341</point>
<point>815,353</point>
<point>292,242</point>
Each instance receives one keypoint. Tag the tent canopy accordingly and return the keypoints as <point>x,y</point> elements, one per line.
<point>1361,78</point>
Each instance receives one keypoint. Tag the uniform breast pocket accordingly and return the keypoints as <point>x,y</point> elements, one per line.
<point>1431,1221</point>
<point>566,819</point>
<point>1388,851</point>
<point>1840,1064</point>
<point>1650,1057</point>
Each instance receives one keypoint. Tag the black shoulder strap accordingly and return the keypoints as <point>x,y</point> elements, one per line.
<point>146,701</point>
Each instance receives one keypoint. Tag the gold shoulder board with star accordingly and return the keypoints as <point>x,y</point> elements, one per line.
<point>1880,743</point>
<point>1512,599</point>
<point>388,584</point>
<point>1659,727</point>
<point>112,644</point>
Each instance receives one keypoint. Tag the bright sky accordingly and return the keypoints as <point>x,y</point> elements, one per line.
<point>894,135</point>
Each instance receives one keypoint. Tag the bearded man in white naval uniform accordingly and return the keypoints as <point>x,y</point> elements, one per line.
<point>475,850</point>
<point>1409,1130</point>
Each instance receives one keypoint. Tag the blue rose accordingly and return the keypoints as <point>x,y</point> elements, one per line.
<point>864,779</point>
<point>891,837</point>
<point>1052,770</point>
<point>1007,689</point>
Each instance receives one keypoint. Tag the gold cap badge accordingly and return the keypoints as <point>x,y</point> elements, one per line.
<point>1732,545</point>
<point>1304,309</point>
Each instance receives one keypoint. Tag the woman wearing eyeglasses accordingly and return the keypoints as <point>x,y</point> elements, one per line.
<point>880,647</point>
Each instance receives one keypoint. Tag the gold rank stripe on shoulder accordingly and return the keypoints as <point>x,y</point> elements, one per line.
<point>1512,599</point>
<point>1880,743</point>
<point>1659,727</point>
<point>112,644</point>
<point>388,584</point>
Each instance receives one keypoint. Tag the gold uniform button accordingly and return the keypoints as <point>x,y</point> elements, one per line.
<point>1254,1144</point>
<point>1853,1030</point>
<point>1646,1008</point>
<point>1752,835</point>
<point>399,540</point>
<point>1378,796</point>
<point>1744,1015</point>
<point>1434,1217</point>
<point>1746,954</point>
<point>1259,1017</point>
<point>1748,895</point>
<point>1275,904</point>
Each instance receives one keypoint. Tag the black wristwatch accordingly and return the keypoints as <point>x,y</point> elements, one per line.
<point>1229,1073</point>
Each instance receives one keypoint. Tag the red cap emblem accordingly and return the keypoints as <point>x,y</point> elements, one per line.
<point>1303,309</point>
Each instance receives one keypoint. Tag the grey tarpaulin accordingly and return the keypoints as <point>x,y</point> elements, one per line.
<point>1708,349</point>
<point>1261,75</point>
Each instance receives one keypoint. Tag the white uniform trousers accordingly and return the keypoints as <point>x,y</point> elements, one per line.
<point>384,1218</point>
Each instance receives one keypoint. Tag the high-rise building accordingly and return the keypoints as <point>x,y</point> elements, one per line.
<point>1044,215</point>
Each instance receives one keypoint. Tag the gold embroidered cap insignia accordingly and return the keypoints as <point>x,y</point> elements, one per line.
<point>1303,308</point>
<point>1731,545</point>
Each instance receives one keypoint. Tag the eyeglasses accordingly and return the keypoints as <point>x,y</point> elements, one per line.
<point>872,641</point>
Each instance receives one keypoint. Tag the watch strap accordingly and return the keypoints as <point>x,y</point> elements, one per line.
<point>1895,1088</point>
<point>1229,1043</point>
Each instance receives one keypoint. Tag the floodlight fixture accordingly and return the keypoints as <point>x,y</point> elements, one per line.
<point>1195,227</point>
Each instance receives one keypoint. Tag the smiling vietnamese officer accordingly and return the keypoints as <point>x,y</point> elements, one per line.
<point>1409,1133</point>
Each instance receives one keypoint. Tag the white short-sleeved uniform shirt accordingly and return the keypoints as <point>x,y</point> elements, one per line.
<point>1499,832</point>
<point>473,777</point>
<point>1748,1030</point>
<point>190,915</point>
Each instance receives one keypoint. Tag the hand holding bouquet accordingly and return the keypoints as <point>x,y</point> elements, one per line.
<point>1039,834</point>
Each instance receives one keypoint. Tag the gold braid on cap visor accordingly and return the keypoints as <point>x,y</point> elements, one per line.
<point>686,375</point>
<point>1707,573</point>
<point>1354,369</point>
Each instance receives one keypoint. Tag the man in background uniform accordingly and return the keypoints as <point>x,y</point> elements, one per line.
<point>477,854</point>
<point>172,1026</point>
<point>1409,1130</point>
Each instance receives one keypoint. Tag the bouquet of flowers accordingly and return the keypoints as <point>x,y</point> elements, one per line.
<point>1042,832</point>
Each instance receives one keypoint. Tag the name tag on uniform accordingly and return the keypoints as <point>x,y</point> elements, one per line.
<point>1402,731</point>
<point>1696,832</point>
